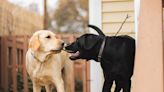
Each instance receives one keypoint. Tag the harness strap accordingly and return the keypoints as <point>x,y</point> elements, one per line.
<point>41,63</point>
<point>36,57</point>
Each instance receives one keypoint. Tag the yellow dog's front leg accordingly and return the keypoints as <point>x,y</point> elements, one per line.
<point>36,88</point>
<point>58,81</point>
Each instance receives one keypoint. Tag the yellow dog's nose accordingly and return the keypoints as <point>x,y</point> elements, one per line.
<point>63,44</point>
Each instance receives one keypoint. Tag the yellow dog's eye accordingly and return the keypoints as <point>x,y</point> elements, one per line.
<point>48,36</point>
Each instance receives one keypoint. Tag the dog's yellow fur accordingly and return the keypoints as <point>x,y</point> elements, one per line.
<point>45,62</point>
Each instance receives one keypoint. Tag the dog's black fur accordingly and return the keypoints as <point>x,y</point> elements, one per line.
<point>117,58</point>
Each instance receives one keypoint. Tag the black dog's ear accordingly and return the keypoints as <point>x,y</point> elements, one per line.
<point>89,41</point>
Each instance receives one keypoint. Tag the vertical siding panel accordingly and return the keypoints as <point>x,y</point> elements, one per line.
<point>114,13</point>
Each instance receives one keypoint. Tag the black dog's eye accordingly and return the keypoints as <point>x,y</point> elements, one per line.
<point>48,36</point>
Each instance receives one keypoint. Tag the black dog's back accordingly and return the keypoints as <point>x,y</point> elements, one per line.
<point>119,55</point>
<point>118,62</point>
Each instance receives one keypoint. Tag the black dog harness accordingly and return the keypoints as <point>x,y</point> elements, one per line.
<point>101,50</point>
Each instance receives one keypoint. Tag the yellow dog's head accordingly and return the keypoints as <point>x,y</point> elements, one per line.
<point>45,41</point>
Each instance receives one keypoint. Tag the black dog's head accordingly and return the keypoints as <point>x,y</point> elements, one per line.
<point>85,47</point>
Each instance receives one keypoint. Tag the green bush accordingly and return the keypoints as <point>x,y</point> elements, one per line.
<point>20,82</point>
<point>78,85</point>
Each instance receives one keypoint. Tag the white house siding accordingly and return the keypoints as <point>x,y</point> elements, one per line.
<point>114,13</point>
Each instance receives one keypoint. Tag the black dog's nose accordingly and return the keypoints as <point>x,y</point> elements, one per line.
<point>68,44</point>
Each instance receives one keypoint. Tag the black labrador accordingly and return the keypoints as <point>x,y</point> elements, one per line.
<point>117,58</point>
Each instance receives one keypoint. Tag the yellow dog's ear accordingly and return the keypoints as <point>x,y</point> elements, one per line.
<point>34,43</point>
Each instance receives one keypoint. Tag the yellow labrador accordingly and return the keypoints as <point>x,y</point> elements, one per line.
<point>46,62</point>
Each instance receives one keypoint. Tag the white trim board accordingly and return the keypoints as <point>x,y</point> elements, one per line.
<point>136,18</point>
<point>95,18</point>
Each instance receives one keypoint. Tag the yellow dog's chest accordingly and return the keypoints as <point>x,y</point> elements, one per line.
<point>43,73</point>
<point>43,80</point>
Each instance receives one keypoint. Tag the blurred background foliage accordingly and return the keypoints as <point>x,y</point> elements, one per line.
<point>70,16</point>
<point>63,16</point>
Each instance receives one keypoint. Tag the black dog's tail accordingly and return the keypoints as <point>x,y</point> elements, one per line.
<point>97,29</point>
